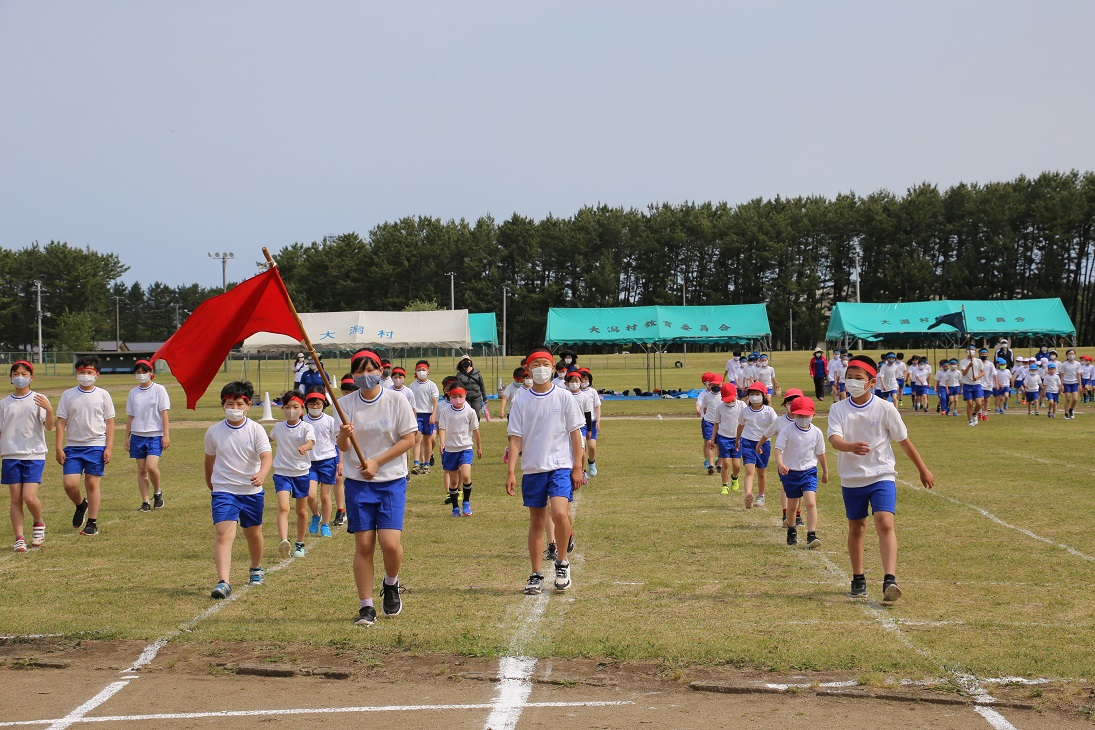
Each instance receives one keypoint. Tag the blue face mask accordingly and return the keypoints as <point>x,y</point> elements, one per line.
<point>367,381</point>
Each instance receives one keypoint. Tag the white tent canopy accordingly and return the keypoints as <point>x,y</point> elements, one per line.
<point>355,330</point>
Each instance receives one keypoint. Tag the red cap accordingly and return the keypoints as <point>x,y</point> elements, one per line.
<point>715,379</point>
<point>802,407</point>
<point>706,377</point>
<point>30,367</point>
<point>792,393</point>
<point>146,363</point>
<point>729,392</point>
<point>758,387</point>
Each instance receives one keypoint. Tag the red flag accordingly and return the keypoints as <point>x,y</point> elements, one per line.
<point>197,349</point>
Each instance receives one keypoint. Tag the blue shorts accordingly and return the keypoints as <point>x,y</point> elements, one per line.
<point>1085,382</point>
<point>1032,396</point>
<point>375,505</point>
<point>749,453</point>
<point>1055,397</point>
<point>296,486</point>
<point>22,471</point>
<point>842,387</point>
<point>537,488</point>
<point>900,384</point>
<point>424,426</point>
<point>797,482</point>
<point>920,390</point>
<point>245,508</point>
<point>452,460</point>
<point>726,447</point>
<point>141,447</point>
<point>324,471</point>
<point>707,429</point>
<point>954,390</point>
<point>593,431</point>
<point>1072,387</point>
<point>890,395</point>
<point>971,392</point>
<point>881,496</point>
<point>84,460</point>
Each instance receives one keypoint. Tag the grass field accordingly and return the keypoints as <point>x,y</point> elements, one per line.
<point>995,563</point>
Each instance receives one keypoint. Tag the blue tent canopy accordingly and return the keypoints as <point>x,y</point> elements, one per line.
<point>484,328</point>
<point>657,325</point>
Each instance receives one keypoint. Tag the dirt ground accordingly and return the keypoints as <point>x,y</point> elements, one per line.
<point>46,679</point>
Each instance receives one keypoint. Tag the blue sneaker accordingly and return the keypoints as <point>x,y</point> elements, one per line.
<point>256,576</point>
<point>467,509</point>
<point>313,526</point>
<point>324,530</point>
<point>455,511</point>
<point>222,591</point>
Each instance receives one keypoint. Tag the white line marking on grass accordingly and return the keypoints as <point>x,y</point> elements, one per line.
<point>994,718</point>
<point>24,637</point>
<point>76,715</point>
<point>985,513</point>
<point>1054,462</point>
<point>311,711</point>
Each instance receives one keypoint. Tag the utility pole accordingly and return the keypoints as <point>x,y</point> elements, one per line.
<point>117,324</point>
<point>791,343</point>
<point>41,354</point>
<point>684,303</point>
<point>858,343</point>
<point>505,296</point>
<point>452,289</point>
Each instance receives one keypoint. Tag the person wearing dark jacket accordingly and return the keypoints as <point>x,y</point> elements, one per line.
<point>471,380</point>
<point>818,368</point>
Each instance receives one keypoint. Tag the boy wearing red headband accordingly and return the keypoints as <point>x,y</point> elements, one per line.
<point>545,429</point>
<point>237,459</point>
<point>25,416</point>
<point>457,431</point>
<point>146,431</point>
<point>85,441</point>
<point>295,437</point>
<point>861,428</point>
<point>324,470</point>
<point>376,491</point>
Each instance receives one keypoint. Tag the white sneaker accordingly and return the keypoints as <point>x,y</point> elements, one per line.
<point>593,470</point>
<point>973,422</point>
<point>562,576</point>
<point>284,548</point>
<point>759,502</point>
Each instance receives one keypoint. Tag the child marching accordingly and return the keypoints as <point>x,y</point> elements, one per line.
<point>25,416</point>
<point>726,418</point>
<point>295,437</point>
<point>752,423</point>
<point>457,432</point>
<point>147,432</point>
<point>323,472</point>
<point>85,442</point>
<point>799,449</point>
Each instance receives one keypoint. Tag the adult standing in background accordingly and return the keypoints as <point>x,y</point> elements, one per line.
<point>818,371</point>
<point>471,380</point>
<point>1004,351</point>
<point>298,370</point>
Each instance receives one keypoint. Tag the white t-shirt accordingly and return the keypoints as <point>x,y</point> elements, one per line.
<point>325,430</point>
<point>701,399</point>
<point>876,422</point>
<point>239,451</point>
<point>836,372</point>
<point>458,425</point>
<point>801,447</point>
<point>902,369</point>
<point>833,367</point>
<point>988,375</point>
<point>922,374</point>
<point>85,413</point>
<point>765,375</point>
<point>387,383</point>
<point>1052,383</point>
<point>1032,382</point>
<point>587,400</point>
<point>777,426</point>
<point>594,400</point>
<point>756,422</point>
<point>146,404</point>
<point>726,418</point>
<point>511,390</point>
<point>425,395</point>
<point>407,393</point>
<point>1069,372</point>
<point>1003,378</point>
<point>378,424</point>
<point>1087,371</point>
<point>288,461</point>
<point>938,377</point>
<point>733,369</point>
<point>973,377</point>
<point>22,428</point>
<point>544,421</point>
<point>710,404</point>
<point>887,375</point>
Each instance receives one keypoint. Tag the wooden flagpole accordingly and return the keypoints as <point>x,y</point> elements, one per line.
<point>315,357</point>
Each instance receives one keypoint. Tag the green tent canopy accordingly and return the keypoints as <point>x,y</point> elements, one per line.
<point>484,328</point>
<point>985,318</point>
<point>657,325</point>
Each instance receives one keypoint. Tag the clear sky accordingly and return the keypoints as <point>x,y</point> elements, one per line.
<point>165,130</point>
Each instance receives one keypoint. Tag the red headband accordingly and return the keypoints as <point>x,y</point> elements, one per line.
<point>234,397</point>
<point>856,363</point>
<point>348,381</point>
<point>315,396</point>
<point>25,364</point>
<point>457,391</point>
<point>146,363</point>
<point>295,398</point>
<point>539,353</point>
<point>365,353</point>
<point>398,371</point>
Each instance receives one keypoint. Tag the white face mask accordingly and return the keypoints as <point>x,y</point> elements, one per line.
<point>315,412</point>
<point>754,399</point>
<point>143,378</point>
<point>585,386</point>
<point>574,386</point>
<point>541,375</point>
<point>86,380</point>
<point>234,414</point>
<point>804,421</point>
<point>567,360</point>
<point>856,388</point>
<point>20,381</point>
<point>528,382</point>
<point>397,381</point>
<point>1071,357</point>
<point>422,374</point>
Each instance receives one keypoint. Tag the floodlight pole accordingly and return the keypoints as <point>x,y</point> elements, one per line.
<point>452,301</point>
<point>117,325</point>
<point>41,354</point>
<point>858,300</point>
<point>505,296</point>
<point>791,343</point>
<point>223,257</point>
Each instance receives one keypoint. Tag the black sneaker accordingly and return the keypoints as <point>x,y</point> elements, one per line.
<point>223,590</point>
<point>798,521</point>
<point>718,467</point>
<point>157,500</point>
<point>431,460</point>
<point>562,576</point>
<point>710,470</point>
<point>366,616</point>
<point>570,544</point>
<point>90,528</point>
<point>339,520</point>
<point>890,590</point>
<point>145,507</point>
<point>535,584</point>
<point>78,515</point>
<point>813,542</point>
<point>792,536</point>
<point>392,604</point>
<point>859,588</point>
<point>552,552</point>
